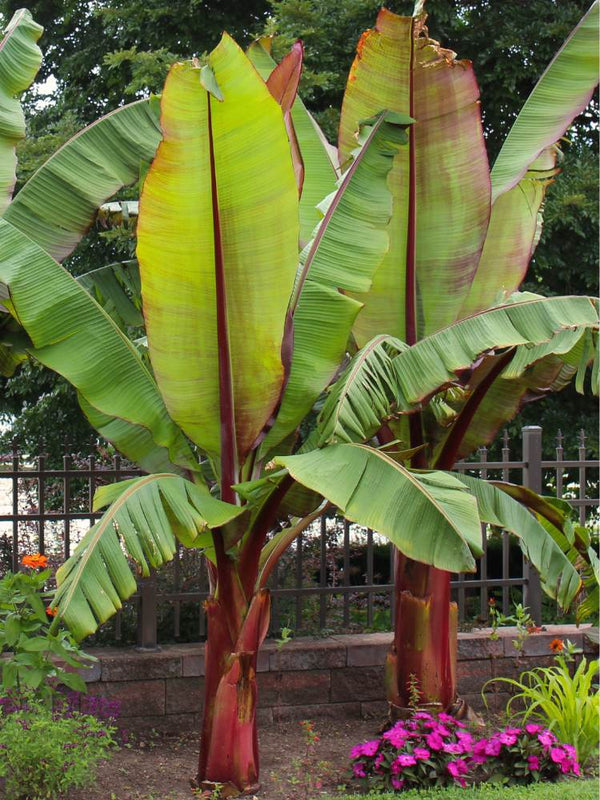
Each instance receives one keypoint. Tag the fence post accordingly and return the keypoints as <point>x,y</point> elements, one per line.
<point>532,479</point>
<point>146,615</point>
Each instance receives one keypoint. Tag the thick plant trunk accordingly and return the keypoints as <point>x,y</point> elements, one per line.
<point>423,654</point>
<point>229,744</point>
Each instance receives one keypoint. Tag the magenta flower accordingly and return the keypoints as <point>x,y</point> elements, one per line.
<point>546,739</point>
<point>434,740</point>
<point>570,751</point>
<point>533,728</point>
<point>452,747</point>
<point>397,736</point>
<point>446,718</point>
<point>364,749</point>
<point>422,715</point>
<point>457,769</point>
<point>513,731</point>
<point>359,770</point>
<point>493,747</point>
<point>421,752</point>
<point>533,762</point>
<point>443,731</point>
<point>507,738</point>
<point>479,747</point>
<point>557,754</point>
<point>397,783</point>
<point>406,760</point>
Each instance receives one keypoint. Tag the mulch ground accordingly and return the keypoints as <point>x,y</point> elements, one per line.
<point>161,768</point>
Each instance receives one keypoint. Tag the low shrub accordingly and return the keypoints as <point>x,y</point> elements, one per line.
<point>427,751</point>
<point>45,752</point>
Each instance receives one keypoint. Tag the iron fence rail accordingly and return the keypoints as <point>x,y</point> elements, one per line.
<point>319,569</point>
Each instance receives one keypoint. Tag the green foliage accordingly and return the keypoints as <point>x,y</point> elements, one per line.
<point>567,703</point>
<point>45,753</point>
<point>38,654</point>
<point>565,790</point>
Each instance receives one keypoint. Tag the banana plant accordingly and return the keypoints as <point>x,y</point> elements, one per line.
<point>449,349</point>
<point>244,333</point>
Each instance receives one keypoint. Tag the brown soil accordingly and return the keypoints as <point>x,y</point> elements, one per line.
<point>161,768</point>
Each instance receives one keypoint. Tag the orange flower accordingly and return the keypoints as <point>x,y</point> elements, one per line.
<point>52,612</point>
<point>36,561</point>
<point>557,645</point>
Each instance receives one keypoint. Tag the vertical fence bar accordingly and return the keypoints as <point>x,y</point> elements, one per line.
<point>15,507</point>
<point>369,577</point>
<point>177,587</point>
<point>532,478</point>
<point>559,470</point>
<point>582,486</point>
<point>91,486</point>
<point>66,508</point>
<point>41,492</point>
<point>346,613</point>
<point>392,551</point>
<point>323,574</point>
<point>505,534</point>
<point>299,571</point>
<point>483,561</point>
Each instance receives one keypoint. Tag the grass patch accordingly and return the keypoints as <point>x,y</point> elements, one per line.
<point>565,790</point>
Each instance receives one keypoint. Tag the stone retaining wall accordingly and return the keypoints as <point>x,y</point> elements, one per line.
<point>340,676</point>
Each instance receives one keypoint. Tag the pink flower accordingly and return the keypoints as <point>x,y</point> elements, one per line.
<point>421,752</point>
<point>570,751</point>
<point>546,739</point>
<point>479,747</point>
<point>457,769</point>
<point>443,731</point>
<point>507,738</point>
<point>359,770</point>
<point>452,747</point>
<point>533,728</point>
<point>513,731</point>
<point>479,759</point>
<point>406,760</point>
<point>434,741</point>
<point>446,718</point>
<point>493,747</point>
<point>422,715</point>
<point>364,749</point>
<point>397,735</point>
<point>557,754</point>
<point>533,762</point>
<point>378,762</point>
<point>397,783</point>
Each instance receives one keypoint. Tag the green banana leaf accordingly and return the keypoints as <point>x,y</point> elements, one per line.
<point>320,170</point>
<point>141,525</point>
<point>20,60</point>
<point>348,247</point>
<point>429,516</point>
<point>406,380</point>
<point>220,207</point>
<point>59,202</point>
<point>73,336</point>
<point>559,577</point>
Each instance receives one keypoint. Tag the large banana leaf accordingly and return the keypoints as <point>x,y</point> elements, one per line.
<point>73,336</point>
<point>560,578</point>
<point>20,59</point>
<point>440,183</point>
<point>140,525</point>
<point>320,173</point>
<point>403,382</point>
<point>116,287</point>
<point>57,205</point>
<point>428,516</point>
<point>562,92</point>
<point>217,246</point>
<point>526,164</point>
<point>348,247</point>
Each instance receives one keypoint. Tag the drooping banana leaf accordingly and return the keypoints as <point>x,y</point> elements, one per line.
<point>440,183</point>
<point>20,59</point>
<point>428,516</point>
<point>559,578</point>
<point>73,336</point>
<point>140,525</point>
<point>116,287</point>
<point>58,203</point>
<point>348,247</point>
<point>414,374</point>
<point>320,171</point>
<point>217,246</point>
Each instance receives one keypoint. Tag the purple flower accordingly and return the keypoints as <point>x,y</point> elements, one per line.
<point>434,741</point>
<point>421,752</point>
<point>533,762</point>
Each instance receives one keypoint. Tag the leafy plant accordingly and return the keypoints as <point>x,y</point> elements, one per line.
<point>37,653</point>
<point>568,704</point>
<point>306,771</point>
<point>45,752</point>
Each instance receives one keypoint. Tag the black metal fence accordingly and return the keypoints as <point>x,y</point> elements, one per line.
<point>336,577</point>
